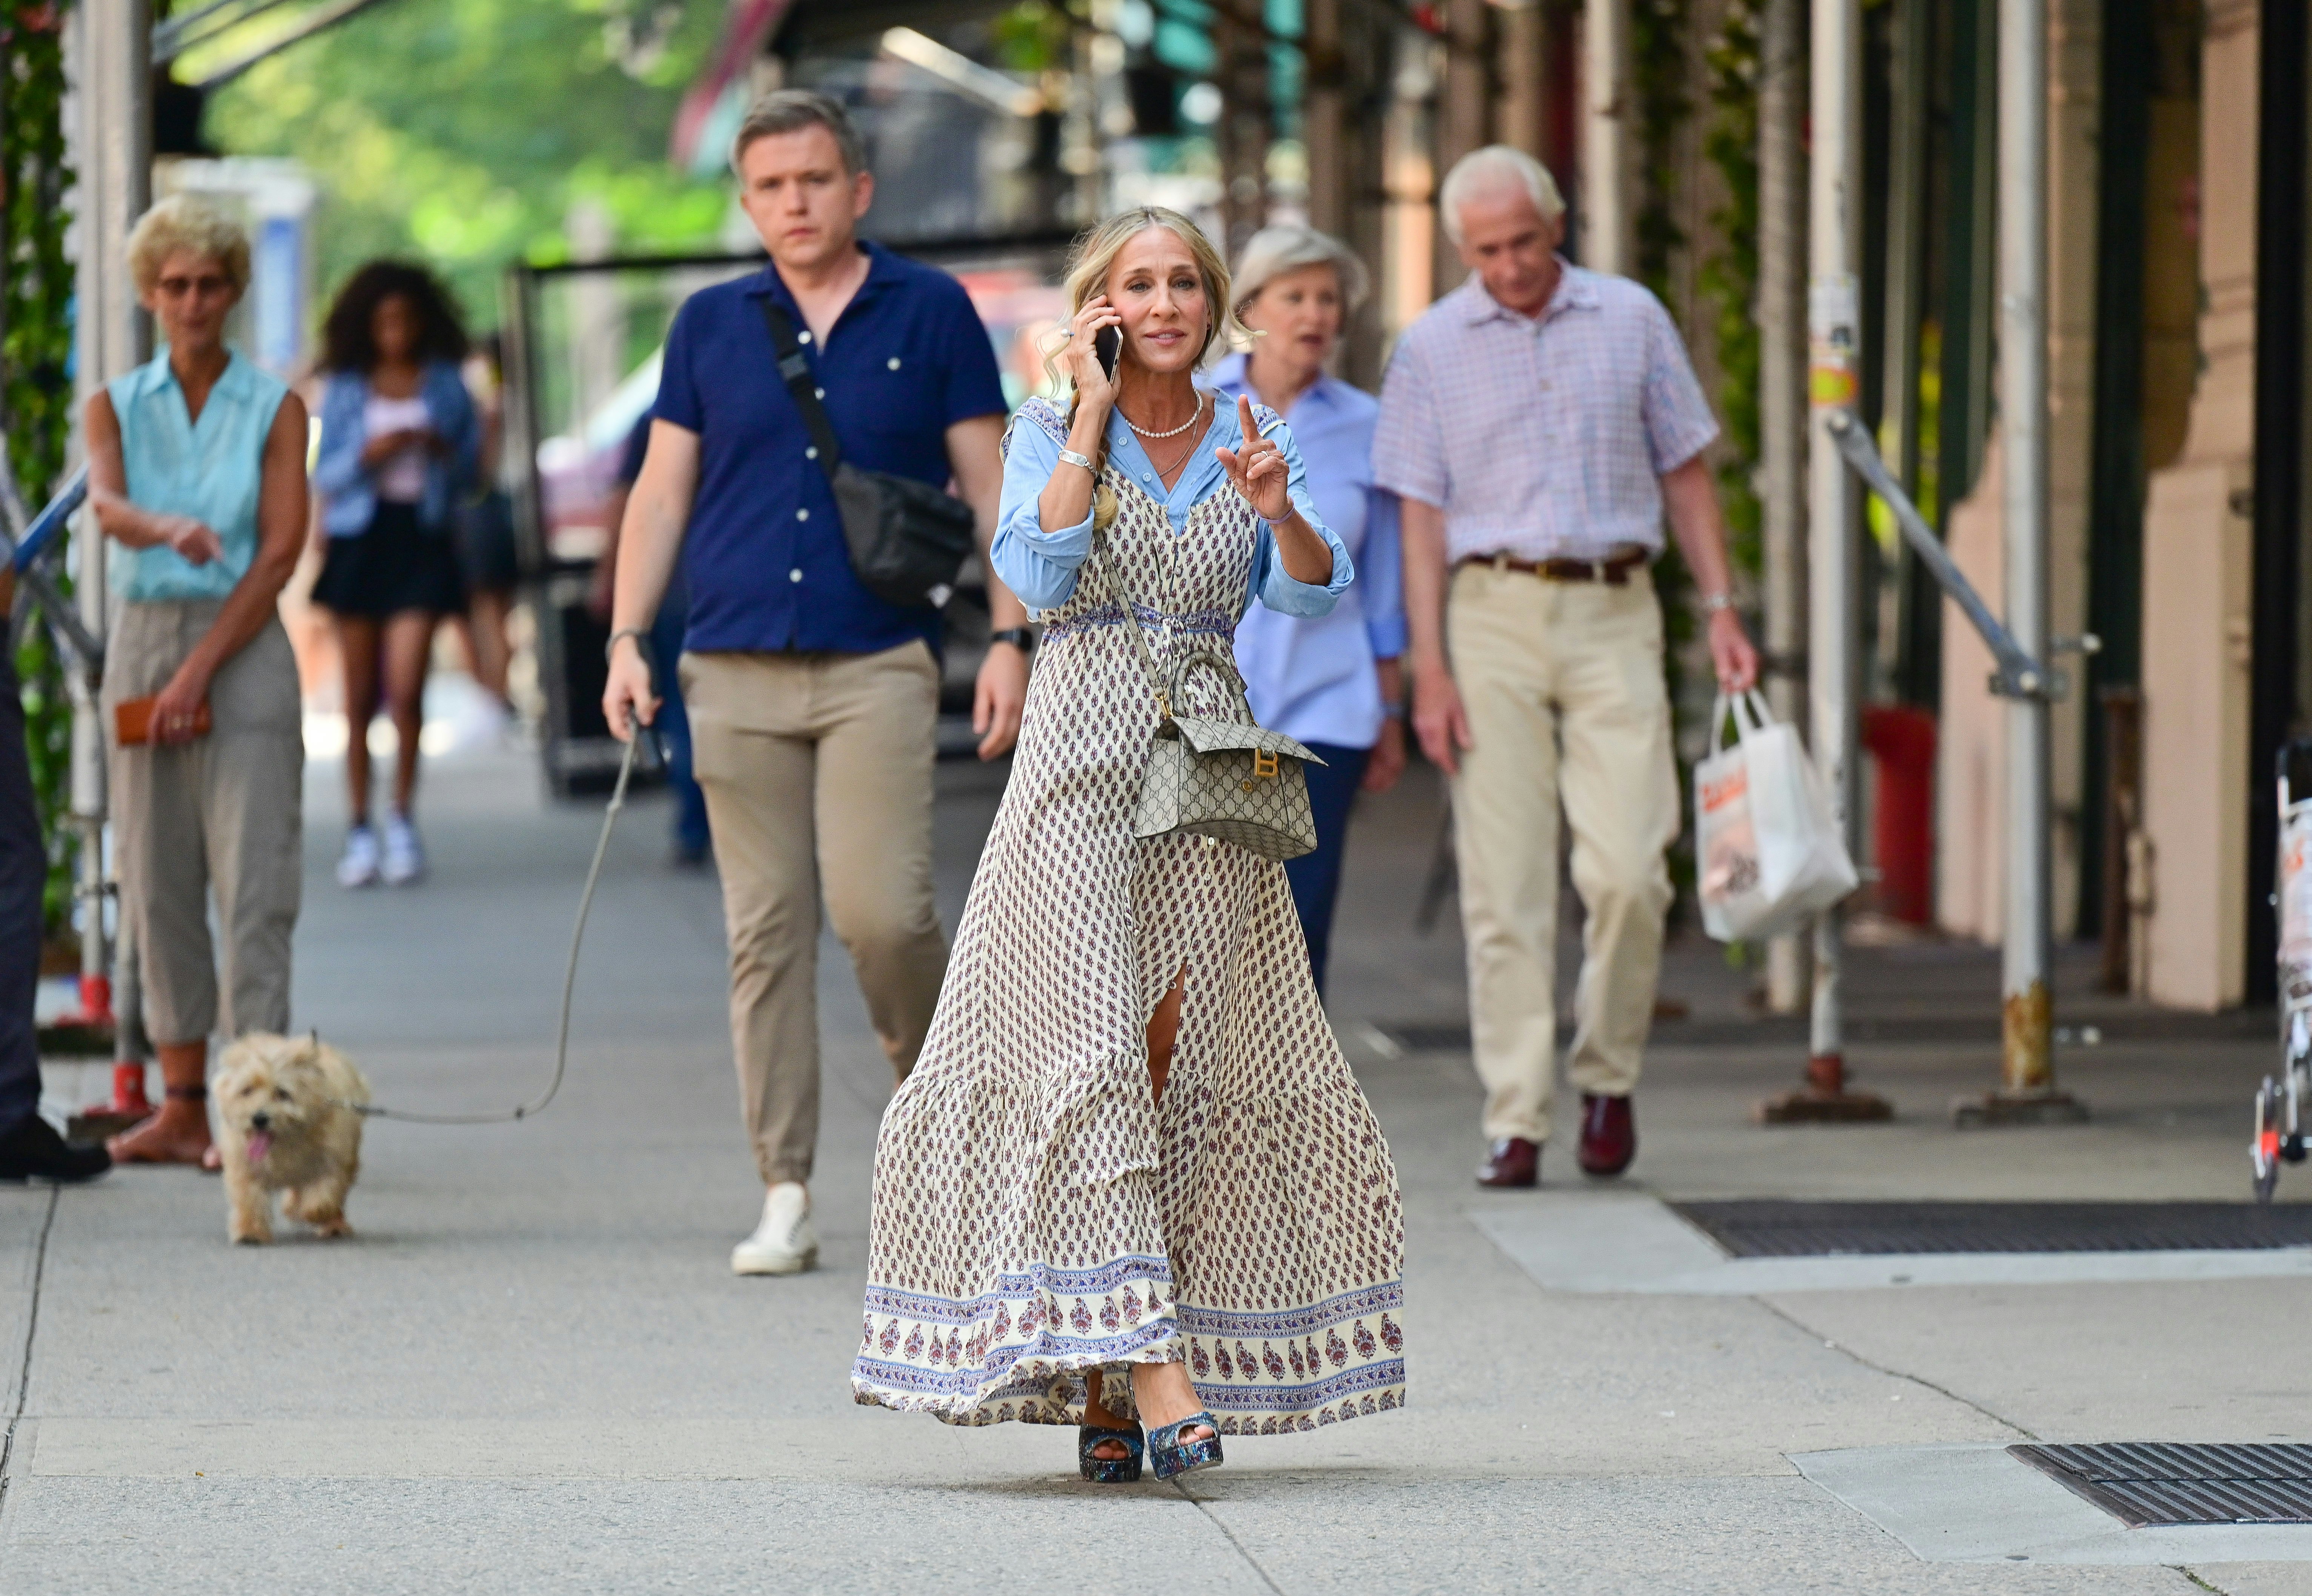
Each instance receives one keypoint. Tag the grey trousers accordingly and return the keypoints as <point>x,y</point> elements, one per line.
<point>221,815</point>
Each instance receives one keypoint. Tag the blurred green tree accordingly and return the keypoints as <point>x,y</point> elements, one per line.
<point>463,132</point>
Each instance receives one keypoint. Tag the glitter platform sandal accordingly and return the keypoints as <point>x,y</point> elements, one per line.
<point>1108,1471</point>
<point>1175,1456</point>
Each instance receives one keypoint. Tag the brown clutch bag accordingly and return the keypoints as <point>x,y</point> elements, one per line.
<point>132,721</point>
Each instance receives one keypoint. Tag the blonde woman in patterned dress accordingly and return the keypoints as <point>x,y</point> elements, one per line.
<point>1131,1177</point>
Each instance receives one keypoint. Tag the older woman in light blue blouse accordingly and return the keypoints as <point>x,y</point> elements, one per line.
<point>1331,682</point>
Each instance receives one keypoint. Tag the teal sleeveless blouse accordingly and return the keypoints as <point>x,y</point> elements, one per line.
<point>210,469</point>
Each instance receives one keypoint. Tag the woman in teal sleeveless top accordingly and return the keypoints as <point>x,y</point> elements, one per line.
<point>196,472</point>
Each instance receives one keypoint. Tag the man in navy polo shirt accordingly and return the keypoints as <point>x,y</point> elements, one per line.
<point>812,702</point>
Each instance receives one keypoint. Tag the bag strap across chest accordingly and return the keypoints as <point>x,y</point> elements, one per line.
<point>1165,691</point>
<point>794,370</point>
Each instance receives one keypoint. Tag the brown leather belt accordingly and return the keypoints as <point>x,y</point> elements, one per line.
<point>1614,570</point>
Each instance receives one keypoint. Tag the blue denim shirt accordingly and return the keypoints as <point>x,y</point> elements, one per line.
<point>350,489</point>
<point>1314,679</point>
<point>1040,566</point>
<point>765,553</point>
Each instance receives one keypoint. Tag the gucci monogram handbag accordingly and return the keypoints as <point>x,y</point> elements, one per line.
<point>1207,777</point>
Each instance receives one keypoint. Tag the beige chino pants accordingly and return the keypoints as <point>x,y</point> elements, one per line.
<point>1563,682</point>
<point>221,816</point>
<point>816,769</point>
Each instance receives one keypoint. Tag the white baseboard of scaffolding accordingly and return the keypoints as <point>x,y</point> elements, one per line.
<point>1608,1243</point>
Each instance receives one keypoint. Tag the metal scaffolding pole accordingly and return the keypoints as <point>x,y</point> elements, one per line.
<point>113,48</point>
<point>1833,520</point>
<point>1605,208</point>
<point>2027,1077</point>
<point>1781,398</point>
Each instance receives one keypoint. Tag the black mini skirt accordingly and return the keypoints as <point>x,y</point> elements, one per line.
<point>394,567</point>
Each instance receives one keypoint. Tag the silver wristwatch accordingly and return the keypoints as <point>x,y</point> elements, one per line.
<point>1069,457</point>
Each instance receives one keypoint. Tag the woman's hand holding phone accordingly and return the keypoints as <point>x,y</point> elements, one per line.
<point>1094,341</point>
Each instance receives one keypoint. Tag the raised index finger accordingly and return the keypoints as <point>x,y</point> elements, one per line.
<point>1244,416</point>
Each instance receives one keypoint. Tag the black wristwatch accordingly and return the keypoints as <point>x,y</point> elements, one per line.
<point>1019,637</point>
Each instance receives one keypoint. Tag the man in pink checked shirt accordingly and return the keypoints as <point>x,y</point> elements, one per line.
<point>1537,422</point>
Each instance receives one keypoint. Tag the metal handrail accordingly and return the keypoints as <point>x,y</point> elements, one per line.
<point>25,553</point>
<point>33,541</point>
<point>2019,676</point>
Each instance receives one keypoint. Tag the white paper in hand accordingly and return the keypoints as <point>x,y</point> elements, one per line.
<point>1769,847</point>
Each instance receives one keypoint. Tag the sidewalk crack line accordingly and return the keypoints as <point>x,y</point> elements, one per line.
<point>31,1327</point>
<point>1917,1379</point>
<point>1230,1535</point>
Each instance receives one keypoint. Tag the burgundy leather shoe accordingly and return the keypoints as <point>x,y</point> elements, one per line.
<point>1609,1135</point>
<point>1511,1161</point>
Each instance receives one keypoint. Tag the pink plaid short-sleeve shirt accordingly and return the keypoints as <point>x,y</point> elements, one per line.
<point>1542,438</point>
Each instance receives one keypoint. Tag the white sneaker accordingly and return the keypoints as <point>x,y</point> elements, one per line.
<point>357,866</point>
<point>405,857</point>
<point>783,1243</point>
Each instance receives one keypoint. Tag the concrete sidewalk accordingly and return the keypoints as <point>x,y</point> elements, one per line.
<point>532,1370</point>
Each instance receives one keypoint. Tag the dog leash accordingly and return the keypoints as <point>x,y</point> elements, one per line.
<point>569,975</point>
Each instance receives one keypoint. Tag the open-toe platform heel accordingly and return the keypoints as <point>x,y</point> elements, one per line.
<point>1108,1471</point>
<point>1175,1456</point>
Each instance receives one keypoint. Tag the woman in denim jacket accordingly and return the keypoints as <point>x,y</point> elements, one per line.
<point>401,447</point>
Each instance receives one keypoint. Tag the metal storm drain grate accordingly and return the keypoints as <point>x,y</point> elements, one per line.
<point>2150,1483</point>
<point>1777,1229</point>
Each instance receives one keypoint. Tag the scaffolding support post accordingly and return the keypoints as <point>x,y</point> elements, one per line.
<point>2026,1093</point>
<point>1603,207</point>
<point>1834,520</point>
<point>114,139</point>
<point>1782,402</point>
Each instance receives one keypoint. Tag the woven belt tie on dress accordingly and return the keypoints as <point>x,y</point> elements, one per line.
<point>1614,570</point>
<point>1214,623</point>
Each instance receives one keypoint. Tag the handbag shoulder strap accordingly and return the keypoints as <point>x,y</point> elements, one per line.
<point>1157,684</point>
<point>1123,595</point>
<point>795,367</point>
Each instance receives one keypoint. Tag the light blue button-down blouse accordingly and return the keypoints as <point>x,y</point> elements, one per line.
<point>1314,679</point>
<point>1041,566</point>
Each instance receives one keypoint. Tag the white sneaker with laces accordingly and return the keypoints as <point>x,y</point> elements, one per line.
<point>357,866</point>
<point>405,857</point>
<point>783,1243</point>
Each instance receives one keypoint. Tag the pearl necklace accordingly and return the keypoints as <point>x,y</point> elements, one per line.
<point>1176,432</point>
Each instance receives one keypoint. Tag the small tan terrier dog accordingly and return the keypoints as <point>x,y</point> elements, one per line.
<point>283,1109</point>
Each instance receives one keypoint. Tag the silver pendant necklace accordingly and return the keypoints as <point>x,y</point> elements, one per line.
<point>1176,432</point>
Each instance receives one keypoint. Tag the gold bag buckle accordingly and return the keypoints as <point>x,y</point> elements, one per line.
<point>1264,762</point>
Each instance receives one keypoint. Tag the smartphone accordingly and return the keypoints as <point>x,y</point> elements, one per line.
<point>1108,343</point>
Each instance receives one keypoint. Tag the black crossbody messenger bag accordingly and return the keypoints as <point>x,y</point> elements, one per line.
<point>908,540</point>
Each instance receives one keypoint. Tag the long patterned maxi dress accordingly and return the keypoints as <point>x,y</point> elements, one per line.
<point>1036,1215</point>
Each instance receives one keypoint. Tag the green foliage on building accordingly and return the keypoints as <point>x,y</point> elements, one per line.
<point>1729,277</point>
<point>36,390</point>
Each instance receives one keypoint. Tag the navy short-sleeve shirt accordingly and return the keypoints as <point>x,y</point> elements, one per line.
<point>765,553</point>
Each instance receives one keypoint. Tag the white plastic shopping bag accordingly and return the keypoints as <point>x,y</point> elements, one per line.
<point>1770,851</point>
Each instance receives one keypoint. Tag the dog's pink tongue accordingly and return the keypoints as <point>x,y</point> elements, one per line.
<point>259,1142</point>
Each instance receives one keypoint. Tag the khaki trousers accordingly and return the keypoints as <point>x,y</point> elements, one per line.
<point>221,815</point>
<point>816,769</point>
<point>1563,682</point>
